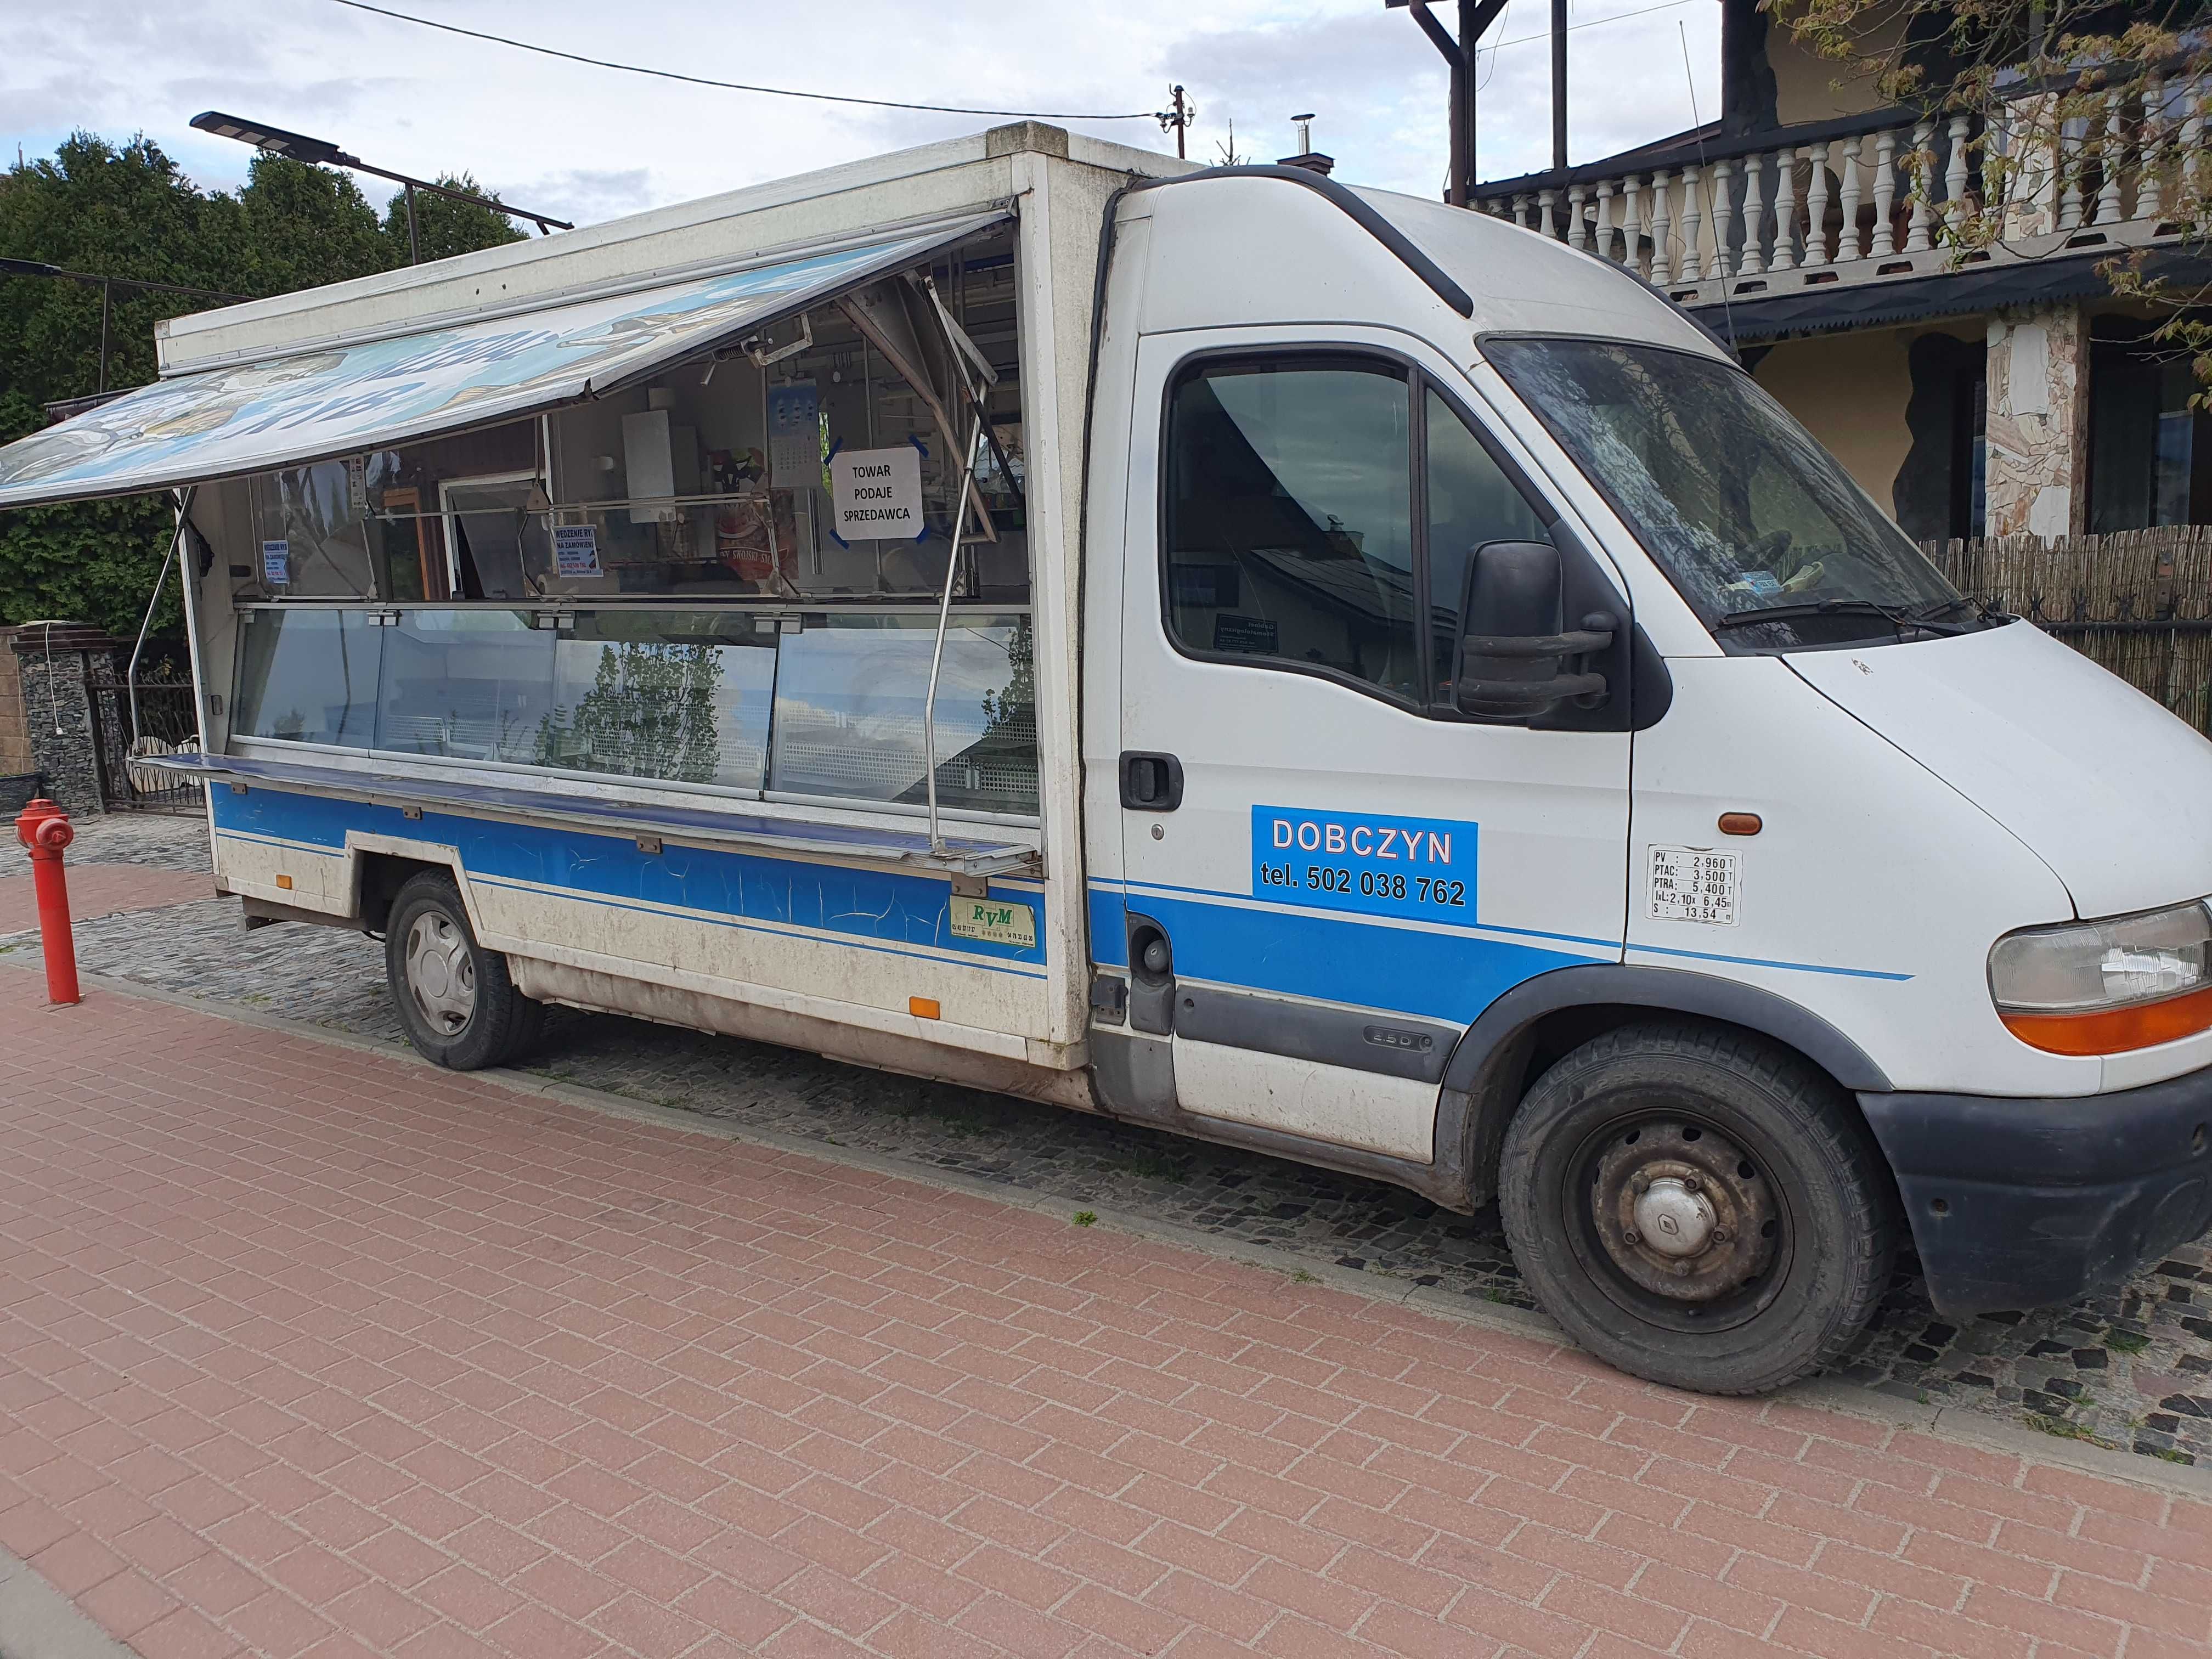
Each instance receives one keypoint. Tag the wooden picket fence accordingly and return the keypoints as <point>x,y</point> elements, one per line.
<point>2139,603</point>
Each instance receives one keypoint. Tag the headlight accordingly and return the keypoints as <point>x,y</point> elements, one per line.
<point>2103,987</point>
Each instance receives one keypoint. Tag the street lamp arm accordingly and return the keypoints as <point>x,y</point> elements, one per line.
<point>343,160</point>
<point>92,279</point>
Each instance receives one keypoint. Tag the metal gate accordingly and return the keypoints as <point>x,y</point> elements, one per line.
<point>167,722</point>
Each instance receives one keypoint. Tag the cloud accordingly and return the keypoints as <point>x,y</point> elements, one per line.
<point>595,142</point>
<point>585,195</point>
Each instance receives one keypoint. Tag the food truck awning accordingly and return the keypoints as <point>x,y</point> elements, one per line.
<point>343,400</point>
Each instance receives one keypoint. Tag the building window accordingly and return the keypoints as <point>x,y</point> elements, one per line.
<point>2150,453</point>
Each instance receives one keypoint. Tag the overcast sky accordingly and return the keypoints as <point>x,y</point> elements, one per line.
<point>590,143</point>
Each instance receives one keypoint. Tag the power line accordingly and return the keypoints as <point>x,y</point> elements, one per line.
<point>740,86</point>
<point>1588,23</point>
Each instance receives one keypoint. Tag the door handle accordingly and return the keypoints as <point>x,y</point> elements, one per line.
<point>1150,782</point>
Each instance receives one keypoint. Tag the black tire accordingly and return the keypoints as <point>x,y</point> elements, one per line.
<point>1769,1220</point>
<point>472,1017</point>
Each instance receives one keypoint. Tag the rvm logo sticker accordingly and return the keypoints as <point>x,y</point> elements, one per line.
<point>1422,868</point>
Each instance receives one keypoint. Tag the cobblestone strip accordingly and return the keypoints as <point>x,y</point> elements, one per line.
<point>297,1354</point>
<point>2132,1368</point>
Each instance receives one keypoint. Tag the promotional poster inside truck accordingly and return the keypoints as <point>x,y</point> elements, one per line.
<point>1309,668</point>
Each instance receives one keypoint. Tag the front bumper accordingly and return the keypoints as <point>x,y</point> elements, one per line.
<point>2024,1203</point>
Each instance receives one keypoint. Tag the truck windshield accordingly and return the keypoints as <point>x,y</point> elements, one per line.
<point>1757,526</point>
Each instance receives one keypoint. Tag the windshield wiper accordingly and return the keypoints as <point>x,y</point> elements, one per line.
<point>1927,614</point>
<point>1895,616</point>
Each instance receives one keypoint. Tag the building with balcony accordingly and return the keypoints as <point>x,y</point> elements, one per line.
<point>1997,391</point>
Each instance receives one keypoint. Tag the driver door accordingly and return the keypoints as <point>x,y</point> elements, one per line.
<point>1348,869</point>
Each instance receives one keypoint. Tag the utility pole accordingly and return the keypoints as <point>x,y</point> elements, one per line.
<point>1475,16</point>
<point>1178,119</point>
<point>1560,84</point>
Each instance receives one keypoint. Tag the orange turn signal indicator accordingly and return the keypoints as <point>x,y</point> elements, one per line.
<point>924,1008</point>
<point>1741,824</point>
<point>284,882</point>
<point>2115,1030</point>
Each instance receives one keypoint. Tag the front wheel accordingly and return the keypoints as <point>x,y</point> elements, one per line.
<point>454,998</point>
<point>1697,1207</point>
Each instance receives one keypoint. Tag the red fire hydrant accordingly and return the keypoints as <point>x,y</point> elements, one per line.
<point>44,828</point>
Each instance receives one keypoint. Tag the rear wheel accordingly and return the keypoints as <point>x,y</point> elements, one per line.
<point>1698,1207</point>
<point>455,999</point>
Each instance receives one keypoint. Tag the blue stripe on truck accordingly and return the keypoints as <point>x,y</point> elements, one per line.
<point>1451,975</point>
<point>845,904</point>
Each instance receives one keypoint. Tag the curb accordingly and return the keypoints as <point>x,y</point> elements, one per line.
<point>1956,1424</point>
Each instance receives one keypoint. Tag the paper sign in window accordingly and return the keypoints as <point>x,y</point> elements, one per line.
<point>876,493</point>
<point>576,549</point>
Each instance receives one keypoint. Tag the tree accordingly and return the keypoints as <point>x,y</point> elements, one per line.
<point>127,211</point>
<point>2061,93</point>
<point>650,713</point>
<point>444,225</point>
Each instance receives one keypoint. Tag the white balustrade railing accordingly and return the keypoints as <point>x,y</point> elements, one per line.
<point>1885,195</point>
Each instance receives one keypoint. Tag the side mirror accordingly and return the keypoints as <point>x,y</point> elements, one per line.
<point>1515,660</point>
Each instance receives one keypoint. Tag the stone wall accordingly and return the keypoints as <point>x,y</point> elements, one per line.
<point>57,711</point>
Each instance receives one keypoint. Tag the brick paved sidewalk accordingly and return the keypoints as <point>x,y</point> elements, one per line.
<point>102,889</point>
<point>305,1350</point>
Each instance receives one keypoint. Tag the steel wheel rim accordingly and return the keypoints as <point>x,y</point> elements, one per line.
<point>442,973</point>
<point>1690,1165</point>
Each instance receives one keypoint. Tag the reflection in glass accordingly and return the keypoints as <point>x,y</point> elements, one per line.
<point>312,513</point>
<point>848,708</point>
<point>465,684</point>
<point>683,697</point>
<point>668,696</point>
<point>1290,523</point>
<point>501,534</point>
<point>308,676</point>
<point>1740,505</point>
<point>1471,501</point>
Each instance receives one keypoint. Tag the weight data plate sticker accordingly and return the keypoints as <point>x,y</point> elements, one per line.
<point>1693,883</point>
<point>1363,861</point>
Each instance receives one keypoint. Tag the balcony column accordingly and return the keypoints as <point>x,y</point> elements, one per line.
<point>1631,221</point>
<point>1753,262</point>
<point>1923,177</point>
<point>2073,165</point>
<point>1785,210</point>
<point>1579,229</point>
<point>1954,174</point>
<point>1816,205</point>
<point>1849,244</point>
<point>1723,200</point>
<point>2191,167</point>
<point>1548,225</point>
<point>1663,228</point>
<point>1692,266</point>
<point>2037,420</point>
<point>1601,223</point>
<point>2113,158</point>
<point>2155,198</point>
<point>1885,194</point>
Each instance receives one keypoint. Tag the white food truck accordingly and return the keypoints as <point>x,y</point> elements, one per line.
<point>1308,668</point>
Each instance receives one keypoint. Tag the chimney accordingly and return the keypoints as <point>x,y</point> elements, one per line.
<point>1308,157</point>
